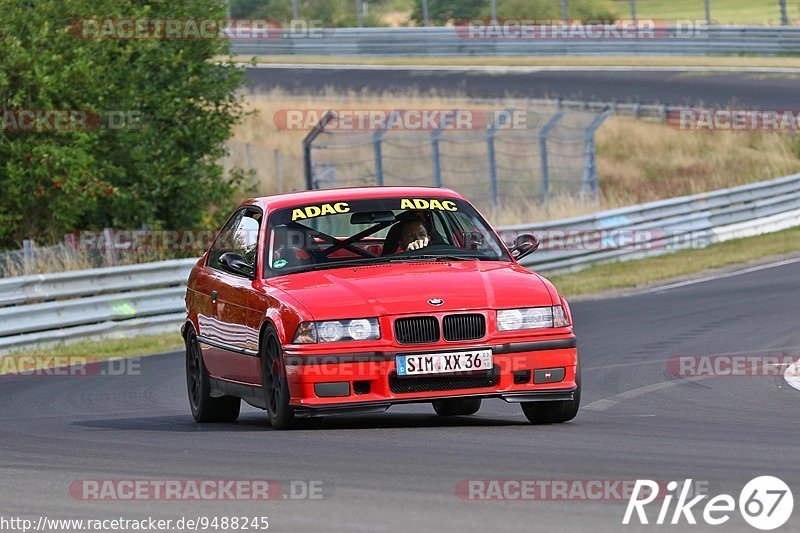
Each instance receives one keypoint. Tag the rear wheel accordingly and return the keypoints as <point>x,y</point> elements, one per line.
<point>457,406</point>
<point>557,411</point>
<point>274,382</point>
<point>204,407</point>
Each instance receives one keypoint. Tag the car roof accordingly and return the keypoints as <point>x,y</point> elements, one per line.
<point>280,201</point>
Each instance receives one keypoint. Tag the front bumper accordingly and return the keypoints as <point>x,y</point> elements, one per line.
<point>338,383</point>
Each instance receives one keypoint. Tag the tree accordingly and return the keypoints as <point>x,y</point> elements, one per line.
<point>160,167</point>
<point>444,11</point>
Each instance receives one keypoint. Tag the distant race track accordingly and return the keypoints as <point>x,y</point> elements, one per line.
<point>695,87</point>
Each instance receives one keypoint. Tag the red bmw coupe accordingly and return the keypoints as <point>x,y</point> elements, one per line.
<point>351,300</point>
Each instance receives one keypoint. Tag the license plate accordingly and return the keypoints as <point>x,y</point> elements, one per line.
<point>444,363</point>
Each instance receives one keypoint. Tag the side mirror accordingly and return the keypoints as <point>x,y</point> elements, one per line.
<point>236,264</point>
<point>524,245</point>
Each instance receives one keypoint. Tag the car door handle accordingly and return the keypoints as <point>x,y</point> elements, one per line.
<point>213,297</point>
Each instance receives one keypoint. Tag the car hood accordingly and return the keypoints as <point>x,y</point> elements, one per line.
<point>400,288</point>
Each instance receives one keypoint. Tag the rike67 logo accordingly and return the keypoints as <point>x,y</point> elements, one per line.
<point>765,503</point>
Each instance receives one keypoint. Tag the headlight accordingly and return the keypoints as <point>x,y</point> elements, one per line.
<point>531,318</point>
<point>359,329</point>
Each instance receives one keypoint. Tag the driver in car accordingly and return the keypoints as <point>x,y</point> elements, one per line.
<point>413,235</point>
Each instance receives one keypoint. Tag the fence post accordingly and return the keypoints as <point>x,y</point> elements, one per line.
<point>27,256</point>
<point>784,16</point>
<point>278,171</point>
<point>490,134</point>
<point>377,146</point>
<point>589,182</point>
<point>436,136</point>
<point>545,164</point>
<point>248,152</point>
<point>308,141</point>
<point>110,246</point>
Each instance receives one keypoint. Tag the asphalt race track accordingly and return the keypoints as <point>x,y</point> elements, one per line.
<point>398,471</point>
<point>760,90</point>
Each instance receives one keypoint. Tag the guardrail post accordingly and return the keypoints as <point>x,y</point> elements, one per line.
<point>589,182</point>
<point>784,16</point>
<point>543,160</point>
<point>308,141</point>
<point>436,136</point>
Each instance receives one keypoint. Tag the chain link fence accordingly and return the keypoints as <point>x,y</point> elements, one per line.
<point>502,159</point>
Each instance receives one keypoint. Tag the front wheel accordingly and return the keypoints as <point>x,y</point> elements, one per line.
<point>556,411</point>
<point>204,407</point>
<point>457,406</point>
<point>274,382</point>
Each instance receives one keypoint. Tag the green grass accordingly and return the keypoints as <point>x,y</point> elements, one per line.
<point>631,274</point>
<point>722,11</point>
<point>99,350</point>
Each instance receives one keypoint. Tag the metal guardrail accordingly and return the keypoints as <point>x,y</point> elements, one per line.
<point>131,300</point>
<point>149,298</point>
<point>664,226</point>
<point>455,41</point>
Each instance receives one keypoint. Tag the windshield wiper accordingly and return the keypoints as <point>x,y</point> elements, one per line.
<point>339,264</point>
<point>427,257</point>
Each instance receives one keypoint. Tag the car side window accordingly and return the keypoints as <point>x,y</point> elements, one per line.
<point>240,236</point>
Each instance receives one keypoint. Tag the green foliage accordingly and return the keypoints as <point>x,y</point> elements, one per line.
<point>444,11</point>
<point>332,13</point>
<point>163,172</point>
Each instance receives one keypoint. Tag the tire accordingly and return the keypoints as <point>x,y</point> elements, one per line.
<point>274,383</point>
<point>555,412</point>
<point>457,406</point>
<point>204,407</point>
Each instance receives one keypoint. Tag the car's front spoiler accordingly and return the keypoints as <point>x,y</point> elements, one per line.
<point>549,395</point>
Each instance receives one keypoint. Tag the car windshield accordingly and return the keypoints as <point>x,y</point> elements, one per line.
<point>343,233</point>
